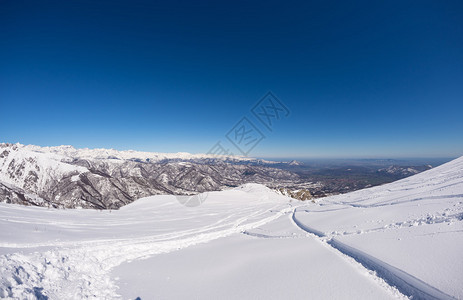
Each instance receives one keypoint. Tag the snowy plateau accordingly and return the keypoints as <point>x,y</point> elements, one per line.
<point>394,241</point>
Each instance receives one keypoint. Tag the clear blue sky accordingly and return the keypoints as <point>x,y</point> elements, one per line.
<point>361,79</point>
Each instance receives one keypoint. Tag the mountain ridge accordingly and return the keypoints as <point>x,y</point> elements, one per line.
<point>108,179</point>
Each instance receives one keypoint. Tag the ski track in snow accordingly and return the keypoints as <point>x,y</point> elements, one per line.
<point>81,268</point>
<point>403,281</point>
<point>83,271</point>
<point>394,277</point>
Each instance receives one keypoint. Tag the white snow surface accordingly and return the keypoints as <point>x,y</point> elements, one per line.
<point>402,239</point>
<point>47,165</point>
<point>66,151</point>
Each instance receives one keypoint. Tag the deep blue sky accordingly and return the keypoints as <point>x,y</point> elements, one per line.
<point>361,79</point>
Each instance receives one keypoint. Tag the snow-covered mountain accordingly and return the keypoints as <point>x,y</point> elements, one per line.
<point>405,171</point>
<point>85,153</point>
<point>394,241</point>
<point>106,179</point>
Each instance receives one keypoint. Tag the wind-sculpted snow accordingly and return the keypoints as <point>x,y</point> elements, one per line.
<point>108,179</point>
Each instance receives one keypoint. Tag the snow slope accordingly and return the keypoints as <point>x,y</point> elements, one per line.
<point>46,166</point>
<point>392,241</point>
<point>414,225</point>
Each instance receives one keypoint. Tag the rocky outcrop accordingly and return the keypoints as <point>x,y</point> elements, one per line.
<point>299,194</point>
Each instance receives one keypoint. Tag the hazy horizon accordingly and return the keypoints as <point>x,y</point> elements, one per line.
<point>306,159</point>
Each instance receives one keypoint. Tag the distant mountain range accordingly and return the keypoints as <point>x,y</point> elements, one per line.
<point>67,177</point>
<point>108,179</point>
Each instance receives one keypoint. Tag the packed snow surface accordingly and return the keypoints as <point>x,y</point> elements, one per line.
<point>394,241</point>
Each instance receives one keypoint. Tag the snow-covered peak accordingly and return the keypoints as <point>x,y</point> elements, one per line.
<point>295,163</point>
<point>20,165</point>
<point>101,153</point>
